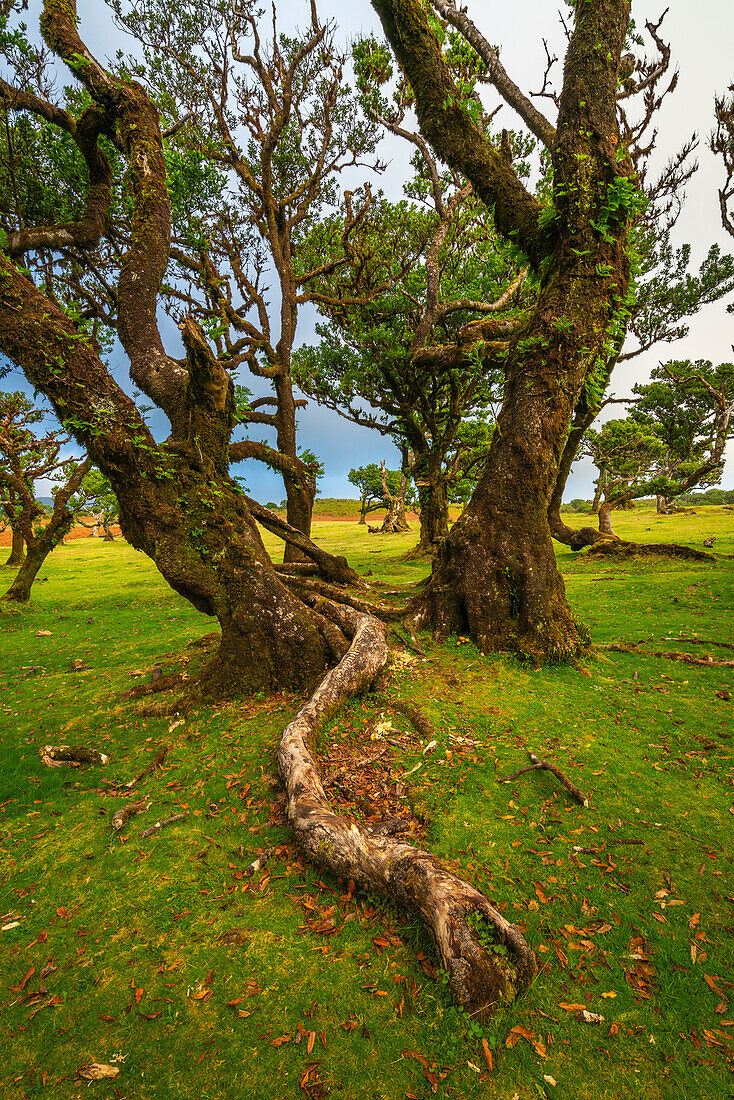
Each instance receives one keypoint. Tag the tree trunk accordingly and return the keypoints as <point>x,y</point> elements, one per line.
<point>605,519</point>
<point>434,502</point>
<point>598,493</point>
<point>206,544</point>
<point>300,494</point>
<point>395,520</point>
<point>20,589</point>
<point>17,551</point>
<point>662,505</point>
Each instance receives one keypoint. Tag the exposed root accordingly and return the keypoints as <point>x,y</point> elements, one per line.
<point>619,549</point>
<point>154,765</point>
<point>304,585</point>
<point>121,817</point>
<point>462,921</point>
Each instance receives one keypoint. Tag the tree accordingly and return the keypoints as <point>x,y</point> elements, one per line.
<point>178,503</point>
<point>673,438</point>
<point>368,482</point>
<point>628,455</point>
<point>690,407</point>
<point>419,271</point>
<point>9,518</point>
<point>495,576</point>
<point>24,458</point>
<point>95,497</point>
<point>277,118</point>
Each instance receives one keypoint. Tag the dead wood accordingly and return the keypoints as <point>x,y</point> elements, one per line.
<point>121,817</point>
<point>73,756</point>
<point>162,824</point>
<point>537,765</point>
<point>689,659</point>
<point>478,978</point>
<point>619,549</point>
<point>155,764</point>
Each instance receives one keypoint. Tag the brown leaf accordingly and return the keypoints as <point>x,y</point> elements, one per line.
<point>138,995</point>
<point>487,1055</point>
<point>22,984</point>
<point>694,921</point>
<point>282,1039</point>
<point>311,1041</point>
<point>572,1007</point>
<point>149,1015</point>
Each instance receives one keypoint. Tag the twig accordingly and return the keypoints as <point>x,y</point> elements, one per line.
<point>548,766</point>
<point>153,766</point>
<point>162,824</point>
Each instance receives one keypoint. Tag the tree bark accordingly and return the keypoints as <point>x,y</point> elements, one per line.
<point>561,532</point>
<point>479,980</point>
<point>661,505</point>
<point>605,518</point>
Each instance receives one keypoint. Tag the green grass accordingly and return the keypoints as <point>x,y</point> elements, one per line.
<point>135,930</point>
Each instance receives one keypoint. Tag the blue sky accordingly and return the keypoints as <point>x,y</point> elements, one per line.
<point>700,34</point>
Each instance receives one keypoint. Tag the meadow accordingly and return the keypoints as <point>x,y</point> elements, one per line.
<point>165,958</point>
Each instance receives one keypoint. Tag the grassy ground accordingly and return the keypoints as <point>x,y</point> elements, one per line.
<point>163,958</point>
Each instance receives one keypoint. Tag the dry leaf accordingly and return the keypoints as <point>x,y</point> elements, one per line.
<point>549,1080</point>
<point>487,1055</point>
<point>573,1008</point>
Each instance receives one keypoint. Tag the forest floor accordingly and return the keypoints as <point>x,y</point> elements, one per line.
<point>165,959</point>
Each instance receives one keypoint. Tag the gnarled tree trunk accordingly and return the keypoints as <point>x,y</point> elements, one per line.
<point>433,499</point>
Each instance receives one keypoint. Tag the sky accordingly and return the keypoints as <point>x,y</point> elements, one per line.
<point>700,36</point>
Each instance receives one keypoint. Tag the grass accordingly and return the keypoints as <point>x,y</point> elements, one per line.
<point>164,958</point>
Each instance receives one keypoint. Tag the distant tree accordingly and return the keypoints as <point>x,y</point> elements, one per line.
<point>24,458</point>
<point>673,438</point>
<point>629,455</point>
<point>95,497</point>
<point>691,407</point>
<point>367,480</point>
<point>9,511</point>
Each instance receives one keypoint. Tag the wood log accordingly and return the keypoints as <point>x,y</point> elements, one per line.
<point>452,909</point>
<point>55,756</point>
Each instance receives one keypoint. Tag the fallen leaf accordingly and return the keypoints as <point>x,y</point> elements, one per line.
<point>549,1080</point>
<point>43,633</point>
<point>487,1055</point>
<point>572,1007</point>
<point>611,994</point>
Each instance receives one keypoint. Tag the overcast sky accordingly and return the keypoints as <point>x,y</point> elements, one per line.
<point>701,36</point>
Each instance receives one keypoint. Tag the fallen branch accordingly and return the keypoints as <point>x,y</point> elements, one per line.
<point>332,567</point>
<point>121,817</point>
<point>71,756</point>
<point>478,978</point>
<point>156,763</point>
<point>162,824</point>
<point>548,766</point>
